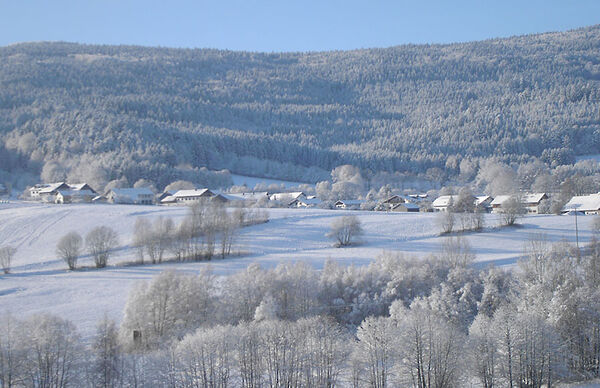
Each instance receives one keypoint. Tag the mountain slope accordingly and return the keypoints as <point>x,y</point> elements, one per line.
<point>160,114</point>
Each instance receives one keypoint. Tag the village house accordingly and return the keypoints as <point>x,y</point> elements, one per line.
<point>442,203</point>
<point>134,196</point>
<point>588,204</point>
<point>530,202</point>
<point>353,204</point>
<point>43,191</point>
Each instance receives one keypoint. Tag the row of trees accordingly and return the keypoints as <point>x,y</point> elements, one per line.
<point>100,242</point>
<point>437,322</point>
<point>208,229</point>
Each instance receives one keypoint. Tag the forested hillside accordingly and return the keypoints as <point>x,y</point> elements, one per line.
<point>98,113</point>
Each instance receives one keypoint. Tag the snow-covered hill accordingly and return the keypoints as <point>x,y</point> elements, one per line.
<point>40,282</point>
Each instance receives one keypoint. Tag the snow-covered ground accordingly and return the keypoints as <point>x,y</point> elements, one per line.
<point>39,281</point>
<point>251,181</point>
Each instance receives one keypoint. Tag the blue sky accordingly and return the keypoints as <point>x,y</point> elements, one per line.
<point>280,25</point>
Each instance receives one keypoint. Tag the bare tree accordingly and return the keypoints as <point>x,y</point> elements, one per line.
<point>53,352</point>
<point>12,354</point>
<point>157,240</point>
<point>446,221</point>
<point>228,229</point>
<point>141,231</point>
<point>7,254</point>
<point>345,230</point>
<point>107,363</point>
<point>69,248</point>
<point>100,241</point>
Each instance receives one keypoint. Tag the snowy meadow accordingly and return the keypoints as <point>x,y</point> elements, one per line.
<point>40,282</point>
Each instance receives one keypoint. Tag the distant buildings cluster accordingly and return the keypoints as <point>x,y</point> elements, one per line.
<point>63,193</point>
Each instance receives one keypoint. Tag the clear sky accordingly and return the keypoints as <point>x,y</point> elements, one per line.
<point>282,25</point>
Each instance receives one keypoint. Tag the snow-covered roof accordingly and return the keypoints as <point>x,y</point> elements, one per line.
<point>527,199</point>
<point>583,203</point>
<point>76,193</point>
<point>481,199</point>
<point>500,199</point>
<point>533,198</point>
<point>444,200</point>
<point>168,199</point>
<point>193,193</point>
<point>80,186</point>
<point>51,187</point>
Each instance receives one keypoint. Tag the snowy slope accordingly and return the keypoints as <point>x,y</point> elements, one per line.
<point>40,281</point>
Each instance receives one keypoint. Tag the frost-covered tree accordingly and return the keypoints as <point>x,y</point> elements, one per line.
<point>512,210</point>
<point>206,357</point>
<point>107,359</point>
<point>53,352</point>
<point>375,352</point>
<point>345,230</point>
<point>69,248</point>
<point>169,306</point>
<point>100,241</point>
<point>430,350</point>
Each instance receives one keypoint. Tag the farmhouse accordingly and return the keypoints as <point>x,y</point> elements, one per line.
<point>531,202</point>
<point>45,190</point>
<point>442,203</point>
<point>588,204</point>
<point>49,192</point>
<point>137,196</point>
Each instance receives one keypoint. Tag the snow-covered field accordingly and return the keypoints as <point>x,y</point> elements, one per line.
<point>39,281</point>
